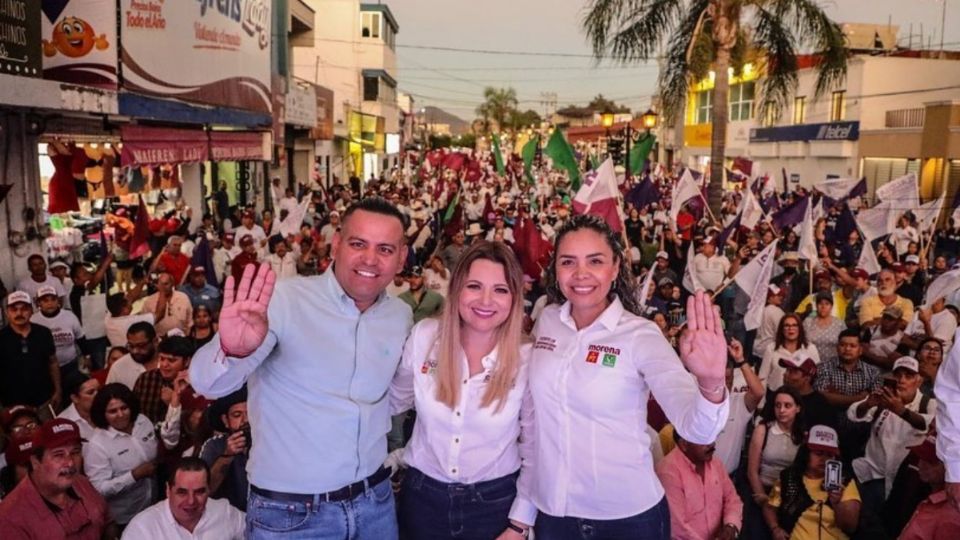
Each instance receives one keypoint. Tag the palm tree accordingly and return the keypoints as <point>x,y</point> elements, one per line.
<point>499,106</point>
<point>700,35</point>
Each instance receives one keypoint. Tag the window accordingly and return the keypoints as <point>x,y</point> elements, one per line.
<point>838,106</point>
<point>371,88</point>
<point>741,101</point>
<point>704,104</point>
<point>799,109</point>
<point>371,25</point>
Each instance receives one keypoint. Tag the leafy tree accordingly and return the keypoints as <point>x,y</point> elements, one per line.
<point>498,107</point>
<point>700,35</point>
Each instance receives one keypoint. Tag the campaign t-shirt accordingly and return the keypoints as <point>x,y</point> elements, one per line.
<point>66,330</point>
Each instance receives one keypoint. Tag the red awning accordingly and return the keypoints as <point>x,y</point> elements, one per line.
<point>238,146</point>
<point>144,145</point>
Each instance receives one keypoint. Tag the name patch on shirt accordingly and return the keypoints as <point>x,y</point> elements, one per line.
<point>546,343</point>
<point>429,367</point>
<point>607,356</point>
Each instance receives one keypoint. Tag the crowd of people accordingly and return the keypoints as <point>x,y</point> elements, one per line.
<point>453,335</point>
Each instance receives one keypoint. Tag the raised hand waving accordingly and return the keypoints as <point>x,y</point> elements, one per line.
<point>243,319</point>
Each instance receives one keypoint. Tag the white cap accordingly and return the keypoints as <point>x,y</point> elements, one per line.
<point>773,289</point>
<point>823,438</point>
<point>17,297</point>
<point>662,255</point>
<point>59,264</point>
<point>45,291</point>
<point>908,363</point>
<point>912,259</point>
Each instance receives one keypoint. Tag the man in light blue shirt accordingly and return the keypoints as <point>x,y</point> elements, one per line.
<point>317,377</point>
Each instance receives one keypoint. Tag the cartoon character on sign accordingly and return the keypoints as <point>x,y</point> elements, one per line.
<point>74,38</point>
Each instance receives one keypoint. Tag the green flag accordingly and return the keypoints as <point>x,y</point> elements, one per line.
<point>562,155</point>
<point>451,208</point>
<point>498,155</point>
<point>528,153</point>
<point>639,153</point>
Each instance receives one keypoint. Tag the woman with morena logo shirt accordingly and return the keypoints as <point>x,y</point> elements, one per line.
<point>466,374</point>
<point>594,365</point>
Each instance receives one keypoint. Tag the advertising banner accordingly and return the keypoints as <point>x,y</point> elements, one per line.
<point>324,129</point>
<point>80,42</point>
<point>209,51</point>
<point>20,38</point>
<point>832,131</point>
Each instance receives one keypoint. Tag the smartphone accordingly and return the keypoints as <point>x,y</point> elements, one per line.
<point>890,384</point>
<point>833,477</point>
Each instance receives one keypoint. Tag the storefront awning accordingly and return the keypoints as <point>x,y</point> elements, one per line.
<point>151,146</point>
<point>239,146</point>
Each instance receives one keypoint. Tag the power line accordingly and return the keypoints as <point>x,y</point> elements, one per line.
<point>468,50</point>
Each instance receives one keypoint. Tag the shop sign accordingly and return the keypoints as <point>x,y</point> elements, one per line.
<point>239,146</point>
<point>209,51</point>
<point>20,38</point>
<point>832,131</point>
<point>324,129</point>
<point>697,135</point>
<point>301,105</point>
<point>80,42</point>
<point>146,146</point>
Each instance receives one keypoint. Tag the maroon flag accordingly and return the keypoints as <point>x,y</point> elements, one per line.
<point>139,246</point>
<point>531,248</point>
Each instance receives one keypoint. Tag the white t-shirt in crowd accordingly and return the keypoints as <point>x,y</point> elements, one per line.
<point>117,327</point>
<point>125,370</point>
<point>29,286</point>
<point>219,521</point>
<point>66,330</point>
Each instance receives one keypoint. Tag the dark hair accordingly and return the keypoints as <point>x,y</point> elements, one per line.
<point>188,464</point>
<point>176,346</point>
<point>76,381</point>
<point>142,327</point>
<point>799,429</point>
<point>98,411</point>
<point>928,339</point>
<point>624,287</point>
<point>801,336</point>
<point>35,256</point>
<point>115,303</point>
<point>376,205</point>
<point>75,269</point>
<point>849,332</point>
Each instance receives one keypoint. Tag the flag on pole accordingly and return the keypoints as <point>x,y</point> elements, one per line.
<point>139,244</point>
<point>743,165</point>
<point>685,190</point>
<point>791,215</point>
<point>531,248</point>
<point>528,153</point>
<point>955,206</point>
<point>203,256</point>
<point>498,156</point>
<point>752,212</point>
<point>643,194</point>
<point>808,242</point>
<point>928,213</point>
<point>868,259</point>
<point>599,196</point>
<point>645,289</point>
<point>640,152</point>
<point>754,279</point>
<point>728,231</point>
<point>840,188</point>
<point>558,149</point>
<point>942,287</point>
<point>903,195</point>
<point>291,224</point>
<point>690,280</point>
<point>874,222</point>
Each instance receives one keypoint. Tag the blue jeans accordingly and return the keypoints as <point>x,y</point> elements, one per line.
<point>654,524</point>
<point>430,509</point>
<point>369,516</point>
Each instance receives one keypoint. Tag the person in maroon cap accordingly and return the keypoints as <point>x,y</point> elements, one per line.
<point>248,255</point>
<point>247,226</point>
<point>935,518</point>
<point>17,455</point>
<point>55,500</point>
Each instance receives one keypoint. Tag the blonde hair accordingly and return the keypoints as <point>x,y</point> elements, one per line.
<point>449,347</point>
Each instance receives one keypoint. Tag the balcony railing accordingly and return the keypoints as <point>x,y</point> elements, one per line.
<point>905,118</point>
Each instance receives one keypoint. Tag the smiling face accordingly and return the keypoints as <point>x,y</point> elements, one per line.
<point>188,496</point>
<point>117,415</point>
<point>73,37</point>
<point>367,252</point>
<point>169,365</point>
<point>586,269</point>
<point>485,300</point>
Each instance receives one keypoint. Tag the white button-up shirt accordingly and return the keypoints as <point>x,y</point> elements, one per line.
<point>220,521</point>
<point>109,459</point>
<point>86,428</point>
<point>466,444</point>
<point>590,389</point>
<point>947,389</point>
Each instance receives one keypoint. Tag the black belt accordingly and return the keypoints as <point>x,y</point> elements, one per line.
<point>345,493</point>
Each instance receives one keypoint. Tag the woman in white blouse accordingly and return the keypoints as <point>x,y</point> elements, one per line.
<point>466,375</point>
<point>119,458</point>
<point>790,342</point>
<point>593,367</point>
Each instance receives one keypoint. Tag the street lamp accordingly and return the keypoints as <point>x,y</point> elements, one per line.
<point>649,119</point>
<point>606,120</point>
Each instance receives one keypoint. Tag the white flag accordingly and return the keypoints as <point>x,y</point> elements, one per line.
<point>754,279</point>
<point>942,287</point>
<point>291,225</point>
<point>902,193</point>
<point>686,189</point>
<point>837,188</point>
<point>752,212</point>
<point>690,280</point>
<point>645,290</point>
<point>808,242</point>
<point>875,222</point>
<point>928,213</point>
<point>868,259</point>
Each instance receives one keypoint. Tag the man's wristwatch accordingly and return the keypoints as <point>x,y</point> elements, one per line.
<point>521,531</point>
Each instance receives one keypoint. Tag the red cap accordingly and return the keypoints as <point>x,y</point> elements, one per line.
<point>9,415</point>
<point>247,240</point>
<point>822,275</point>
<point>190,400</point>
<point>897,267</point>
<point>248,214</point>
<point>56,433</point>
<point>18,450</point>
<point>228,236</point>
<point>859,273</point>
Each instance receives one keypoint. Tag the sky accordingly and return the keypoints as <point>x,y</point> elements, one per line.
<point>454,80</point>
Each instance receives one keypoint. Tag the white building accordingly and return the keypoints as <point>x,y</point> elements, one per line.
<point>353,53</point>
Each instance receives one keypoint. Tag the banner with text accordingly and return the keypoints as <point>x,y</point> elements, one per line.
<point>80,42</point>
<point>20,38</point>
<point>209,51</point>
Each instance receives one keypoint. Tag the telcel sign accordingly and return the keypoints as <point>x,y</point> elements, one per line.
<point>833,131</point>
